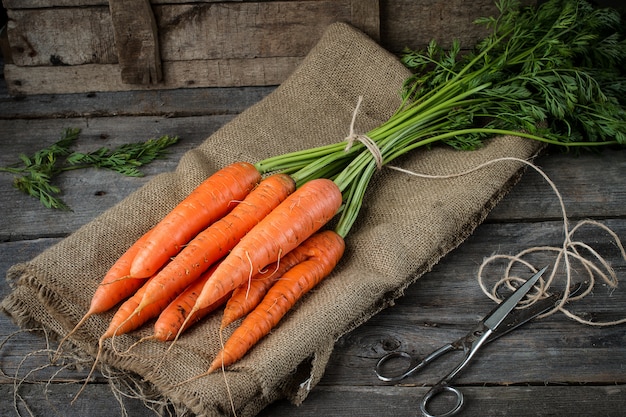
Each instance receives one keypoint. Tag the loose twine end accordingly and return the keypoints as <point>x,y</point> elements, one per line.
<point>594,265</point>
<point>364,139</point>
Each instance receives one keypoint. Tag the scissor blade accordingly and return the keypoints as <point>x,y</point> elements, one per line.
<point>499,314</point>
<point>519,317</point>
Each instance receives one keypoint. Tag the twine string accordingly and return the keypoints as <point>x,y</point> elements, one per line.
<point>593,263</point>
<point>364,139</point>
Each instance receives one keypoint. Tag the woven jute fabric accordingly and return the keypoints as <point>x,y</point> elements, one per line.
<point>406,225</point>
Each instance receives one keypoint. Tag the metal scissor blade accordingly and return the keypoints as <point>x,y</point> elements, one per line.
<point>499,314</point>
<point>522,316</point>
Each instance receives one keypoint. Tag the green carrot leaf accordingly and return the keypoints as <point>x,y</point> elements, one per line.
<point>37,172</point>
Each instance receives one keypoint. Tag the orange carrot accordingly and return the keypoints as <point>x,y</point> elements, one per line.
<point>170,321</point>
<point>214,242</point>
<point>116,286</point>
<point>210,201</point>
<point>303,213</point>
<point>126,320</point>
<point>248,295</point>
<point>322,258</point>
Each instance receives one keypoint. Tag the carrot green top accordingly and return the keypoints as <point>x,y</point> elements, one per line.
<point>551,73</point>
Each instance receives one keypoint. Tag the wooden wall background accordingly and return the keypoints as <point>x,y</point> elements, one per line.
<point>77,46</point>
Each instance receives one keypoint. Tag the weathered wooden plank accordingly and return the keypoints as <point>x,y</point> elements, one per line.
<point>176,74</point>
<point>97,400</point>
<point>27,356</point>
<point>366,16</point>
<point>403,401</point>
<point>57,37</point>
<point>35,4</point>
<point>17,345</point>
<point>136,41</point>
<point>412,24</point>
<point>247,30</point>
<point>19,251</point>
<point>167,103</point>
<point>200,44</point>
<point>591,186</point>
<point>194,31</point>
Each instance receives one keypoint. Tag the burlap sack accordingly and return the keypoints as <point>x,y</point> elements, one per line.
<point>407,224</point>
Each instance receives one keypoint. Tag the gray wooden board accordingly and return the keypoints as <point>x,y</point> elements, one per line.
<point>399,401</point>
<point>481,401</point>
<point>97,400</point>
<point>201,44</point>
<point>170,103</point>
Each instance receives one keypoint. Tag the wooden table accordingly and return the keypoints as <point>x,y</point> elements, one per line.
<point>552,367</point>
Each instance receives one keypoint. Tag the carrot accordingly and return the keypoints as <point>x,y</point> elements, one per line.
<point>116,286</point>
<point>248,295</point>
<point>208,202</point>
<point>214,242</point>
<point>323,255</point>
<point>170,321</point>
<point>126,318</point>
<point>301,214</point>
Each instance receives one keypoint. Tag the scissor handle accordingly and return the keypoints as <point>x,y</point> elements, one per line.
<point>437,390</point>
<point>479,336</point>
<point>412,366</point>
<point>381,373</point>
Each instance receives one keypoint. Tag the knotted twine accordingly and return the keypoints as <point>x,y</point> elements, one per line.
<point>406,226</point>
<point>369,144</point>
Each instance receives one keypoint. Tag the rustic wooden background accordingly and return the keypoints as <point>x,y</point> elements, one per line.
<point>69,46</point>
<point>553,367</point>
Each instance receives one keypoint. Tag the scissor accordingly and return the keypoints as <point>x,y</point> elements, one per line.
<point>498,322</point>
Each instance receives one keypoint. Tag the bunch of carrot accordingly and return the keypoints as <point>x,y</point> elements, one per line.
<point>250,244</point>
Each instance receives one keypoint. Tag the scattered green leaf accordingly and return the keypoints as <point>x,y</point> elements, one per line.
<point>35,174</point>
